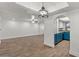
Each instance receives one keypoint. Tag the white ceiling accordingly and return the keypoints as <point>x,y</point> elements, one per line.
<point>72,6</point>
<point>24,10</point>
<point>50,6</point>
<point>10,10</point>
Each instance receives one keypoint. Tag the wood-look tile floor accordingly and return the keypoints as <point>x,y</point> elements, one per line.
<point>32,46</point>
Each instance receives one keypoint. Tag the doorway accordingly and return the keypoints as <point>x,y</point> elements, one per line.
<point>63,29</point>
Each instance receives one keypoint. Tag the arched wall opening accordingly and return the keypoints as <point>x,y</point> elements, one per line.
<point>62,29</point>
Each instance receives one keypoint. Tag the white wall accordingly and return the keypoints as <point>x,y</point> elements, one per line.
<point>17,28</point>
<point>13,28</point>
<point>74,31</point>
<point>74,41</point>
<point>50,30</point>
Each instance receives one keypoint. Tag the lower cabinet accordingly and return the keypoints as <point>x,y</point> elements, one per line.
<point>58,37</point>
<point>66,36</point>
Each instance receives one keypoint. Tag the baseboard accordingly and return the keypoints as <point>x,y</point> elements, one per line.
<point>52,46</point>
<point>74,53</point>
<point>18,37</point>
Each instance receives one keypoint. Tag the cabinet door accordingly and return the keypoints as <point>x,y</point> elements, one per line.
<point>58,38</point>
<point>66,36</point>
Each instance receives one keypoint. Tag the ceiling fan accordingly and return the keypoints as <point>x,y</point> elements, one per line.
<point>43,12</point>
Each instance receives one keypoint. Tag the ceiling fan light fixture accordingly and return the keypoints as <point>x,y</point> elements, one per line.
<point>43,12</point>
<point>34,20</point>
